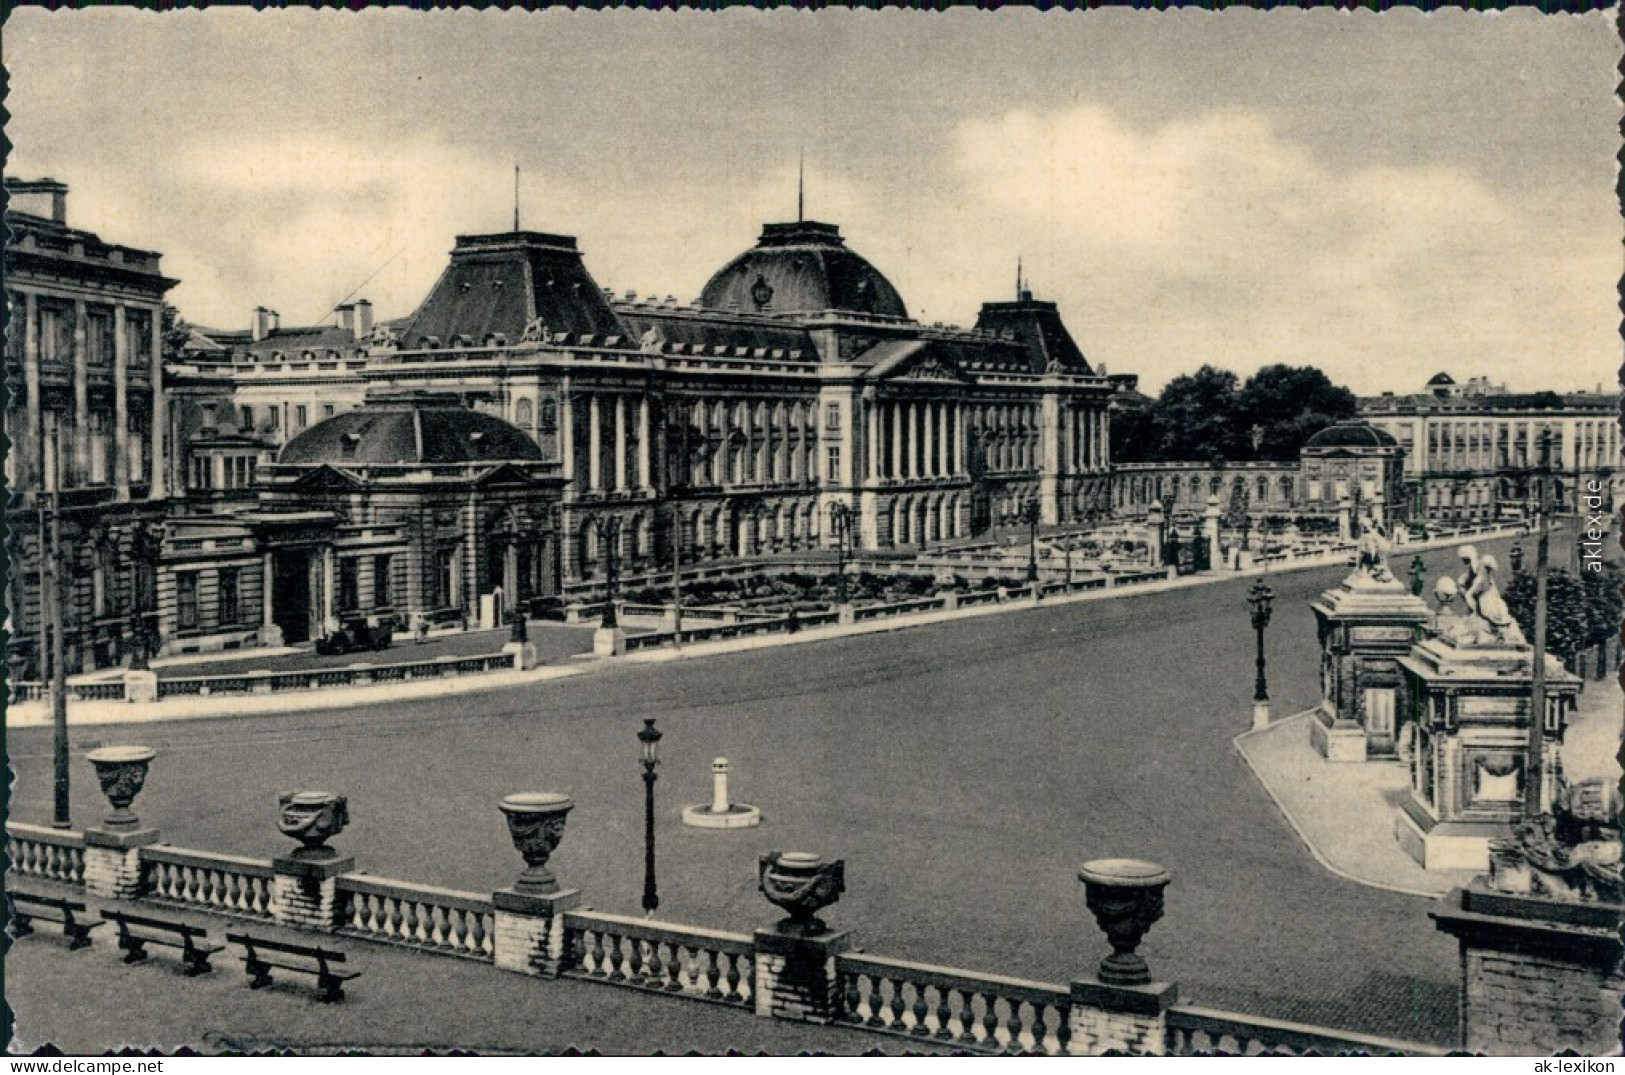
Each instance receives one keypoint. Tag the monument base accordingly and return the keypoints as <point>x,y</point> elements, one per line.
<point>1446,845</point>
<point>1261,715</point>
<point>1337,740</point>
<point>608,642</point>
<point>737,816</point>
<point>523,654</point>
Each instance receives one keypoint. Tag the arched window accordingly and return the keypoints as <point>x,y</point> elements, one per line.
<point>523,415</point>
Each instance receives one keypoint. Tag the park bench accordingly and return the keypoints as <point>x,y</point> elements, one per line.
<point>300,958</point>
<point>162,931</point>
<point>26,908</point>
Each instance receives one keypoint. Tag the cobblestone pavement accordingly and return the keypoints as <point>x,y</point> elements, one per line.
<point>963,770</point>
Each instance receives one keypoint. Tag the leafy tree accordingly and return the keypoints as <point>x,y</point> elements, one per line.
<point>1567,628</point>
<point>1195,416</point>
<point>1287,405</point>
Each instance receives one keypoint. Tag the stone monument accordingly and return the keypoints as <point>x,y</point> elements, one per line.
<point>1469,688</point>
<point>1365,624</point>
<point>721,813</point>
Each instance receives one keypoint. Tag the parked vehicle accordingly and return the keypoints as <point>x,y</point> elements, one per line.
<point>357,636</point>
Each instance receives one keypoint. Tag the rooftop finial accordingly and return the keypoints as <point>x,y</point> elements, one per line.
<point>801,187</point>
<point>1018,277</point>
<point>516,196</point>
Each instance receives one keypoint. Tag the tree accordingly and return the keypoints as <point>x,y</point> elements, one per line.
<point>1605,605</point>
<point>1195,416</point>
<point>1290,404</point>
<point>1134,431</point>
<point>1567,629</point>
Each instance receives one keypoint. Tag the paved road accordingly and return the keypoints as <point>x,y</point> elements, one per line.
<point>962,770</point>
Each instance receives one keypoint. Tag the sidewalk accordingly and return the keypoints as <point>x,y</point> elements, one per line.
<point>37,713</point>
<point>1345,813</point>
<point>89,1002</point>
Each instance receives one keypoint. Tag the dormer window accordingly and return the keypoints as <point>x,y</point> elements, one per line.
<point>349,443</point>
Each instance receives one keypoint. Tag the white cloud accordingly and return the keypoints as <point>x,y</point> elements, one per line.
<point>1215,239</point>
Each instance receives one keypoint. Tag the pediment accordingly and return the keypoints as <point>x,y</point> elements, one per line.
<point>914,360</point>
<point>505,474</point>
<point>327,478</point>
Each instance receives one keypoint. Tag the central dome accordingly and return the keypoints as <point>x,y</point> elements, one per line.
<point>802,268</point>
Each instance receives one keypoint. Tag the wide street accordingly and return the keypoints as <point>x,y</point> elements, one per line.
<point>963,771</point>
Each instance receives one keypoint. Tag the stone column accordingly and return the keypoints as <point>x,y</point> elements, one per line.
<point>1210,531</point>
<point>31,387</point>
<point>872,436</point>
<point>894,413</point>
<point>270,633</point>
<point>1345,521</point>
<point>618,482</point>
<point>329,561</point>
<point>645,479</point>
<point>159,489</point>
<point>959,441</point>
<point>1049,458</point>
<point>944,462</point>
<point>81,397</point>
<point>121,403</point>
<point>567,433</point>
<point>595,445</point>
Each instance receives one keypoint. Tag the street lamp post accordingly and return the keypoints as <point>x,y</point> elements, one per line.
<point>1419,572</point>
<point>649,738</point>
<point>840,521</point>
<point>609,539</point>
<point>1259,598</point>
<point>1029,515</point>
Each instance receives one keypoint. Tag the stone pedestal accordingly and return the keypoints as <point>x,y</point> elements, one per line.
<point>140,686</point>
<point>608,642</point>
<point>1470,748</point>
<point>1539,975</point>
<point>1210,533</point>
<point>524,654</point>
<point>1261,715</point>
<point>113,862</point>
<point>846,614</point>
<point>795,974</point>
<point>304,891</point>
<point>1366,625</point>
<point>271,635</point>
<point>529,930</point>
<point>1130,1019</point>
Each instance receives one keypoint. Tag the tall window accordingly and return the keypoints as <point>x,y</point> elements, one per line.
<point>273,418</point>
<point>349,585</point>
<point>301,416</point>
<point>247,425</point>
<point>832,464</point>
<point>380,581</point>
<point>230,613</point>
<point>186,600</point>
<point>832,416</point>
<point>327,410</point>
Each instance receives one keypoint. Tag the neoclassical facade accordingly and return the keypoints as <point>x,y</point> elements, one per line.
<point>795,395</point>
<point>1477,456</point>
<point>88,424</point>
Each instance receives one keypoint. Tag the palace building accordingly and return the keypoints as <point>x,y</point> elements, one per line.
<point>793,405</point>
<point>87,421</point>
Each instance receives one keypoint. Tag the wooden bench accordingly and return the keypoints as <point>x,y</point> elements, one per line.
<point>317,961</point>
<point>77,932</point>
<point>165,932</point>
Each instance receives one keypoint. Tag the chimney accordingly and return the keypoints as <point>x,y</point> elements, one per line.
<point>363,319</point>
<point>276,320</point>
<point>261,323</point>
<point>39,197</point>
<point>346,314</point>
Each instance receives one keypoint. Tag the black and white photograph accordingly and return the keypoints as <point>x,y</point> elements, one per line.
<point>812,532</point>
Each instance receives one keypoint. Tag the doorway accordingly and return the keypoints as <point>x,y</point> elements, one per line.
<point>290,595</point>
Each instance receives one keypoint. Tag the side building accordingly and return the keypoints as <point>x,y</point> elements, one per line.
<point>88,425</point>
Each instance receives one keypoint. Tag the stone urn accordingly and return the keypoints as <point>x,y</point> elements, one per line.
<point>802,884</point>
<point>313,818</point>
<point>536,824</point>
<point>122,771</point>
<point>1125,896</point>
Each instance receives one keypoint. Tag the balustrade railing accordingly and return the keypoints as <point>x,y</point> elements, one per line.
<point>1194,1031</point>
<point>316,679</point>
<point>49,854</point>
<point>222,884</point>
<point>700,964</point>
<point>417,916</point>
<point>977,1012</point>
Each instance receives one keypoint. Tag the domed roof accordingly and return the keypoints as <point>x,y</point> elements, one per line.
<point>1351,435</point>
<point>1440,379</point>
<point>407,434</point>
<point>802,268</point>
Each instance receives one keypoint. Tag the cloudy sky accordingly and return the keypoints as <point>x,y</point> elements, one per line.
<point>1382,196</point>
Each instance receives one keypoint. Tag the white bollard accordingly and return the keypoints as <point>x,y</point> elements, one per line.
<point>719,786</point>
